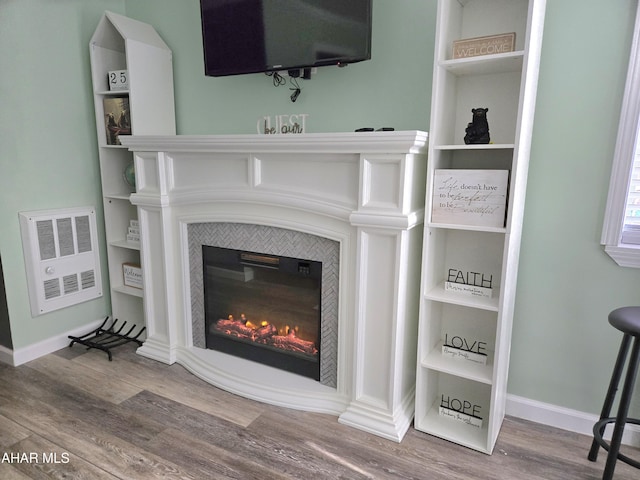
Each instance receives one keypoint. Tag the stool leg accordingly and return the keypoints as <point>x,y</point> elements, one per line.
<point>611,392</point>
<point>623,409</point>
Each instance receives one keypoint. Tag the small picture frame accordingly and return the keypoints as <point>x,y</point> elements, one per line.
<point>117,118</point>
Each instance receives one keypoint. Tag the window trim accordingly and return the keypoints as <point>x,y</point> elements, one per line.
<point>625,255</point>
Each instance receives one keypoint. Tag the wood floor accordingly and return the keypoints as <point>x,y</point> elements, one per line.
<point>75,415</point>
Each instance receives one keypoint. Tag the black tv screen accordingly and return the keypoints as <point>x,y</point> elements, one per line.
<point>252,36</point>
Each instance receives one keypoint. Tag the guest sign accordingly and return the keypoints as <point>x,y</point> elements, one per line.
<point>282,124</point>
<point>470,197</point>
<point>460,410</point>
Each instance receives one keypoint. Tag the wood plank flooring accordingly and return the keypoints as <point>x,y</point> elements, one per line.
<point>75,415</point>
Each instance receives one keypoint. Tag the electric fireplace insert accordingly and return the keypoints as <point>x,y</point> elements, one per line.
<point>265,308</point>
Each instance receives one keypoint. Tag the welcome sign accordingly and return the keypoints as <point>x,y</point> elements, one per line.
<point>489,45</point>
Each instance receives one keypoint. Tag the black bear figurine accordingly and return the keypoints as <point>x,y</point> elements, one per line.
<point>478,130</point>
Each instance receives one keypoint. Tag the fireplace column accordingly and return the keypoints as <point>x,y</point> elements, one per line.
<point>388,238</point>
<point>158,251</point>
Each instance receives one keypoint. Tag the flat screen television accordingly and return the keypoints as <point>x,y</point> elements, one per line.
<point>253,36</point>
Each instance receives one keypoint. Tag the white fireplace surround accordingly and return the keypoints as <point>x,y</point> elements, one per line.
<point>362,190</point>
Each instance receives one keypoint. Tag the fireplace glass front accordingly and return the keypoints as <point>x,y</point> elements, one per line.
<point>264,308</point>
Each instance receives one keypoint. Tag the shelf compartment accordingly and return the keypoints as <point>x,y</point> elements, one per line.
<point>474,18</point>
<point>118,213</point>
<point>484,157</point>
<point>496,91</point>
<point>458,325</point>
<point>433,424</point>
<point>117,257</point>
<point>127,305</point>
<point>107,57</point>
<point>435,385</point>
<point>113,164</point>
<point>465,251</point>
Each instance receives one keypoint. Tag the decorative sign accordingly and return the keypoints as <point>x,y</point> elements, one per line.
<point>132,275</point>
<point>474,284</point>
<point>470,197</point>
<point>459,354</point>
<point>461,411</point>
<point>460,348</point>
<point>133,232</point>
<point>489,45</point>
<point>470,290</point>
<point>460,417</point>
<point>118,80</point>
<point>282,124</point>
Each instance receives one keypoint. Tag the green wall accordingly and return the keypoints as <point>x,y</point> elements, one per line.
<point>393,89</point>
<point>563,347</point>
<point>48,155</point>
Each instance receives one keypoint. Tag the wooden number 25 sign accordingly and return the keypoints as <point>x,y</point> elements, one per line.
<point>118,80</point>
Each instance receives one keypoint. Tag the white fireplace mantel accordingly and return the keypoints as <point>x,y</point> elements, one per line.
<point>363,190</point>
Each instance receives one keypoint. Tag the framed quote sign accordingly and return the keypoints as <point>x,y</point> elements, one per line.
<point>470,197</point>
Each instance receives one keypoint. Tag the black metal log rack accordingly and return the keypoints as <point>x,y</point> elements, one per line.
<point>105,338</point>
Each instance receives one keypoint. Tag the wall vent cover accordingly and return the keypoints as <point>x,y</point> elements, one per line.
<point>61,257</point>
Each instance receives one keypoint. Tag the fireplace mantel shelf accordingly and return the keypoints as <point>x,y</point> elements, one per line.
<point>413,141</point>
<point>363,190</point>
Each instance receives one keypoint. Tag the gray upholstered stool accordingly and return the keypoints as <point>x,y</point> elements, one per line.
<point>627,320</point>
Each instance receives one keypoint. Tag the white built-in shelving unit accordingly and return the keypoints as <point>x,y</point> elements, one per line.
<point>506,84</point>
<point>121,43</point>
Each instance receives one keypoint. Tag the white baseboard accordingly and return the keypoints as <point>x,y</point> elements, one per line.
<point>22,355</point>
<point>564,418</point>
